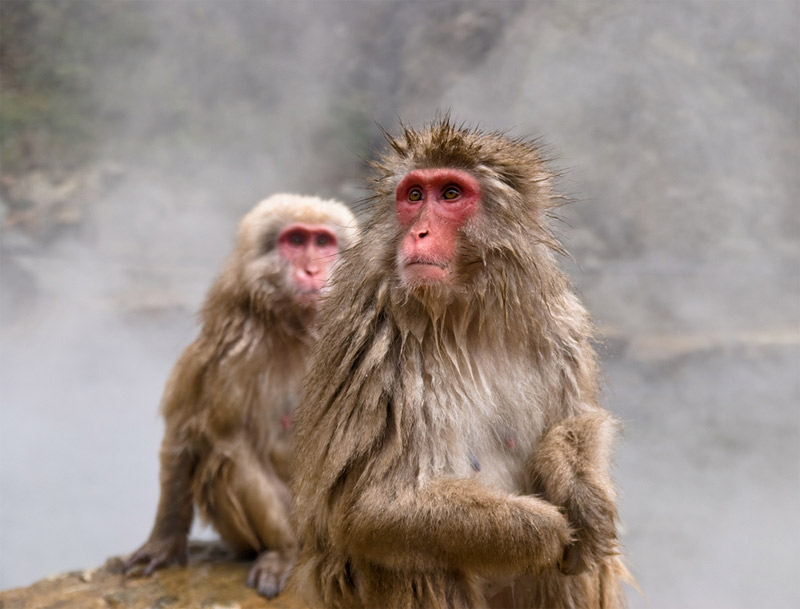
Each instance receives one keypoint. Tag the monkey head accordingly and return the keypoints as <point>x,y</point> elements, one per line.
<point>460,205</point>
<point>287,246</point>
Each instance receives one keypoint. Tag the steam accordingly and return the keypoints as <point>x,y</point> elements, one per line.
<point>678,122</point>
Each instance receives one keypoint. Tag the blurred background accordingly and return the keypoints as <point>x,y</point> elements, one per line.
<point>135,134</point>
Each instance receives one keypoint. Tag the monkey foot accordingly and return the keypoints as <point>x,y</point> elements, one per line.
<point>269,573</point>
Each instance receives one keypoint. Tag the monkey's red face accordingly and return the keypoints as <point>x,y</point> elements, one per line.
<point>310,250</point>
<point>432,205</point>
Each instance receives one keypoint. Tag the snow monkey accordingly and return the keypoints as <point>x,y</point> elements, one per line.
<point>228,403</point>
<point>451,450</point>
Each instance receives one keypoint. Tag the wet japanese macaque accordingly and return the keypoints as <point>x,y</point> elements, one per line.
<point>228,403</point>
<point>450,447</point>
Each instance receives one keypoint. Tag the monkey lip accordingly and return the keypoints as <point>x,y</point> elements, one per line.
<point>308,295</point>
<point>420,269</point>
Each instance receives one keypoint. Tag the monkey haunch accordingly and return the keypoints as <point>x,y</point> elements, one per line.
<point>228,401</point>
<point>450,449</point>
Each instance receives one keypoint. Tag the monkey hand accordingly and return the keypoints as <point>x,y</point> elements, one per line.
<point>270,571</point>
<point>548,531</point>
<point>573,562</point>
<point>595,536</point>
<point>159,552</point>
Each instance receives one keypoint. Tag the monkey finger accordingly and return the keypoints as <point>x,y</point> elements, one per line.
<point>573,561</point>
<point>133,560</point>
<point>154,564</point>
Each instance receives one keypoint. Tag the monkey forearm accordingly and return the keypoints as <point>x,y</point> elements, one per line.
<point>168,539</point>
<point>457,523</point>
<point>571,466</point>
<point>175,505</point>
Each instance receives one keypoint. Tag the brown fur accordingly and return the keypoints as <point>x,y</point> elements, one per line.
<point>450,448</point>
<point>225,446</point>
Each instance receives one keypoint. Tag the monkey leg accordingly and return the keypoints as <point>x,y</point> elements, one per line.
<point>439,589</point>
<point>595,589</point>
<point>248,504</point>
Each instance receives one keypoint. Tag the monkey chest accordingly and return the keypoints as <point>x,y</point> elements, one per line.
<point>494,462</point>
<point>481,446</point>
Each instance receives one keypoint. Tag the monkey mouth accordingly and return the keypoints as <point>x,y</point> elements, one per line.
<point>425,270</point>
<point>309,295</point>
<point>440,265</point>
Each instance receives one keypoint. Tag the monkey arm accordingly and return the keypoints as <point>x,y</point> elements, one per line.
<point>571,466</point>
<point>168,539</point>
<point>455,523</point>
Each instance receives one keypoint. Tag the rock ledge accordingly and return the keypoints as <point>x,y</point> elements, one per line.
<point>213,579</point>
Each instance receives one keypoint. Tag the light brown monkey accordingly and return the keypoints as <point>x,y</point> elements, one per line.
<point>450,448</point>
<point>228,402</point>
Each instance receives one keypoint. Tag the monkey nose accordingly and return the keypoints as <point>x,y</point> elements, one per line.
<point>420,233</point>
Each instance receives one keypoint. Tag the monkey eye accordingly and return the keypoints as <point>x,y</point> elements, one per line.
<point>296,238</point>
<point>323,240</point>
<point>415,194</point>
<point>451,192</point>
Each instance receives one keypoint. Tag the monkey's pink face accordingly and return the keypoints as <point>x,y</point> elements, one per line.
<point>310,250</point>
<point>432,205</point>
